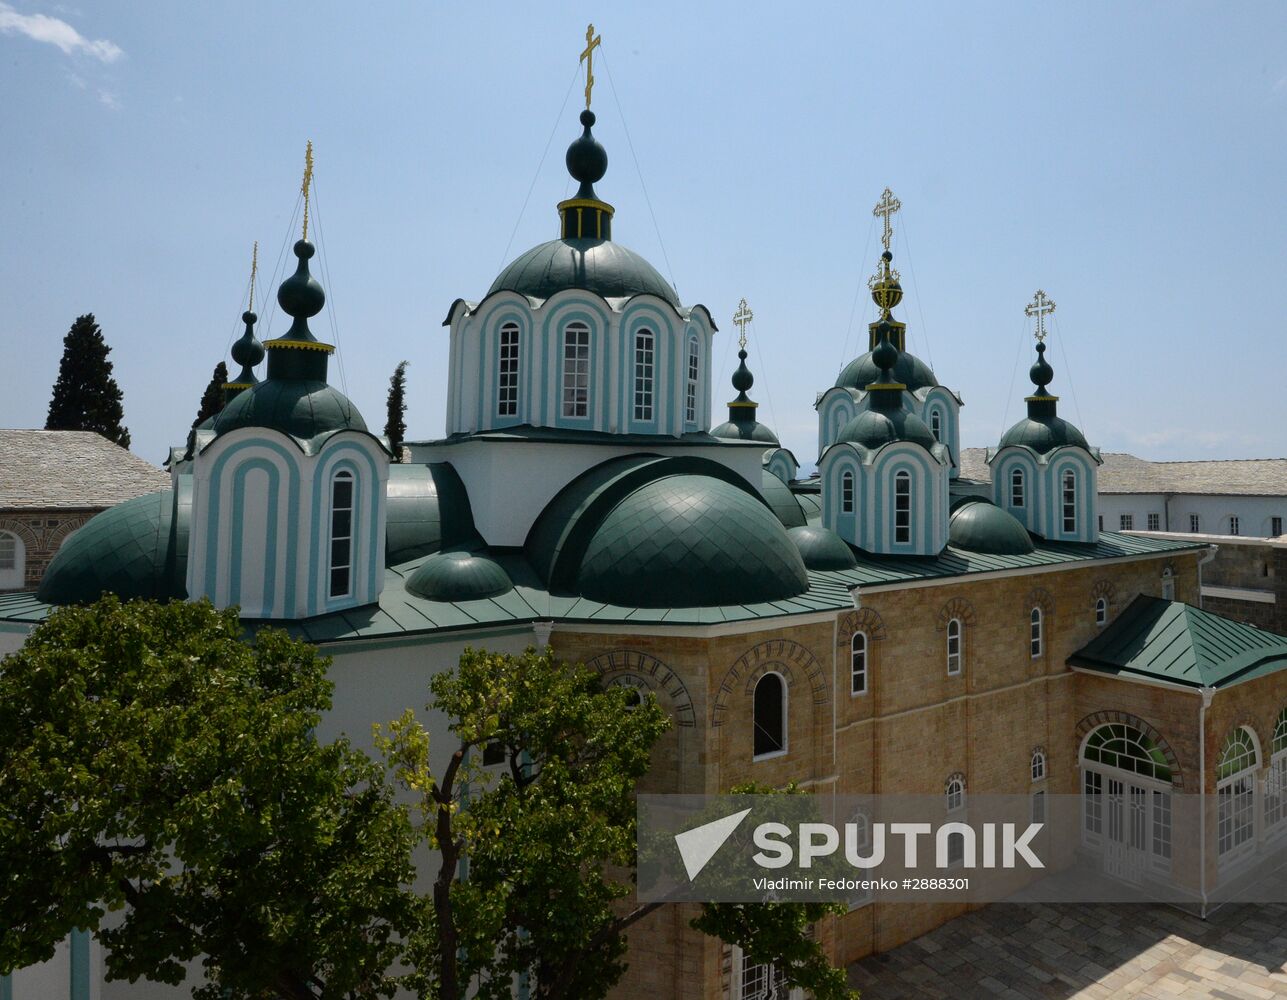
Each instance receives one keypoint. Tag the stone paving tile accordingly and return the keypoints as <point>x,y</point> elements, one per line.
<point>1101,952</point>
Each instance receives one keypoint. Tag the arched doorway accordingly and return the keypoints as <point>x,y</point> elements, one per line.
<point>1126,781</point>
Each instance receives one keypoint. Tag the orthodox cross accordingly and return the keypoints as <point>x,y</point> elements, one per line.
<point>1041,307</point>
<point>591,41</point>
<point>886,207</point>
<point>307,182</point>
<point>740,319</point>
<point>254,269</point>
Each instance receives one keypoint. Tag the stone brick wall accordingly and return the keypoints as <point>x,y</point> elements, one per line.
<point>1249,566</point>
<point>42,532</point>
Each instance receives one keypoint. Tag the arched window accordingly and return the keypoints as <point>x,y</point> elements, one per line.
<point>1126,796</point>
<point>1070,501</point>
<point>1016,488</point>
<point>1168,584</point>
<point>576,370</point>
<point>954,791</point>
<point>1236,793</point>
<point>341,534</point>
<point>1038,764</point>
<point>902,508</point>
<point>1034,633</point>
<point>936,425</point>
<point>846,492</point>
<point>1276,780</point>
<point>690,395</point>
<point>1101,612</point>
<point>644,350</point>
<point>770,715</point>
<point>13,561</point>
<point>1127,749</point>
<point>507,372</point>
<point>954,647</point>
<point>858,663</point>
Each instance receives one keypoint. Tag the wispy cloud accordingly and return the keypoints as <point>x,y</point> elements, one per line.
<point>52,30</point>
<point>109,100</point>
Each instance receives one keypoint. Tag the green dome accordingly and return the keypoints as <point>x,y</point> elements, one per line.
<point>690,541</point>
<point>908,369</point>
<point>428,510</point>
<point>979,526</point>
<point>875,428</point>
<point>131,550</point>
<point>1044,434</point>
<point>304,409</point>
<point>459,576</point>
<point>821,548</point>
<point>747,430</point>
<point>781,500</point>
<point>599,266</point>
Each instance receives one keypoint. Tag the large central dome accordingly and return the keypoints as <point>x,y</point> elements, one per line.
<point>601,266</point>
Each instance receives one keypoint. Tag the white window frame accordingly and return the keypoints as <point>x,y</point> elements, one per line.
<point>1236,812</point>
<point>13,575</point>
<point>858,665</point>
<point>507,370</point>
<point>1036,633</point>
<point>1104,810</point>
<point>1101,612</point>
<point>954,793</point>
<point>902,508</point>
<point>1068,483</point>
<point>690,391</point>
<point>1195,523</point>
<point>1276,779</point>
<point>1168,585</point>
<point>1153,521</point>
<point>575,394</point>
<point>1018,488</point>
<point>955,653</point>
<point>743,987</point>
<point>1037,764</point>
<point>846,492</point>
<point>343,476</point>
<point>1235,524</point>
<point>645,368</point>
<point>936,424</point>
<point>1127,522</point>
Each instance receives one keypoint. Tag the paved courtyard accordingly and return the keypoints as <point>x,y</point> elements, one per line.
<point>1080,952</point>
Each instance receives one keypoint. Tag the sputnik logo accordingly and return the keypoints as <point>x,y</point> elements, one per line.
<point>698,845</point>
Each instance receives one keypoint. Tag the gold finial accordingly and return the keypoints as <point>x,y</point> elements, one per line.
<point>740,319</point>
<point>1041,307</point>
<point>885,208</point>
<point>591,41</point>
<point>254,270</point>
<point>307,182</point>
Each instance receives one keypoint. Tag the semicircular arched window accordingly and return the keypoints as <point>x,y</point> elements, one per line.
<point>1276,780</point>
<point>1236,792</point>
<point>769,716</point>
<point>1126,748</point>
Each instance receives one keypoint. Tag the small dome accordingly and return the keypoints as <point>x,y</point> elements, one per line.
<point>1044,434</point>
<point>459,576</point>
<point>750,430</point>
<point>821,548</point>
<point>874,428</point>
<point>690,541</point>
<point>980,526</point>
<point>601,266</point>
<point>129,550</point>
<point>301,408</point>
<point>781,500</point>
<point>910,370</point>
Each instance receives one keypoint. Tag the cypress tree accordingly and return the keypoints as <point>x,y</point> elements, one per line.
<point>212,398</point>
<point>395,427</point>
<point>86,397</point>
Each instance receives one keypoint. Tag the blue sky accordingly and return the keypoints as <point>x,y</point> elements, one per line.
<point>1130,159</point>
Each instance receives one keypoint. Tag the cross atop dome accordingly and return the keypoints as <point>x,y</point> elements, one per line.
<point>740,319</point>
<point>592,41</point>
<point>1040,307</point>
<point>307,182</point>
<point>885,208</point>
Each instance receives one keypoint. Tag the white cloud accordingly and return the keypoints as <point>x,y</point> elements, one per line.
<point>42,28</point>
<point>109,100</point>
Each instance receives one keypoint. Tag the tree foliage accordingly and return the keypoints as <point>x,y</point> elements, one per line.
<point>86,397</point>
<point>154,762</point>
<point>395,426</point>
<point>212,398</point>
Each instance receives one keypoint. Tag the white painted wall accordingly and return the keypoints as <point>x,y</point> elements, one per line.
<point>1214,512</point>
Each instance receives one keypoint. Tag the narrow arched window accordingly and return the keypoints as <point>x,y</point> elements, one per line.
<point>341,534</point>
<point>846,492</point>
<point>902,508</point>
<point>858,663</point>
<point>1101,611</point>
<point>1236,792</point>
<point>690,395</point>
<point>1070,501</point>
<point>770,715</point>
<point>1017,498</point>
<point>954,792</point>
<point>1034,633</point>
<point>13,561</point>
<point>1276,780</point>
<point>936,425</point>
<point>1038,764</point>
<point>954,647</point>
<point>644,351</point>
<point>507,372</point>
<point>576,370</point>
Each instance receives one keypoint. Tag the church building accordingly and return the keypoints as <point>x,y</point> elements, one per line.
<point>884,626</point>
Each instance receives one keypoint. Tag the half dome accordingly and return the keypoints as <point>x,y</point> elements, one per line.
<point>459,576</point>
<point>601,266</point>
<point>821,548</point>
<point>979,526</point>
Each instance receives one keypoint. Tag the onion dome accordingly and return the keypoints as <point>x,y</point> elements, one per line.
<point>908,369</point>
<point>980,526</point>
<point>821,548</point>
<point>459,576</point>
<point>741,423</point>
<point>584,255</point>
<point>1043,430</point>
<point>886,420</point>
<point>247,351</point>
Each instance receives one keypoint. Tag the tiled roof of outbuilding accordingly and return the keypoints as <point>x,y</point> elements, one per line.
<point>43,470</point>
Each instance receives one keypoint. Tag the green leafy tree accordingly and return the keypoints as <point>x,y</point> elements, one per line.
<point>538,859</point>
<point>155,762</point>
<point>395,426</point>
<point>212,398</point>
<point>86,397</point>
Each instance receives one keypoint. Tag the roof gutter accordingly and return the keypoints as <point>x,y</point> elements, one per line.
<point>1206,693</point>
<point>1211,554</point>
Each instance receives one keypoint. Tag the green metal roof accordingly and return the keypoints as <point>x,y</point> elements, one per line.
<point>910,370</point>
<point>459,576</point>
<point>303,409</point>
<point>1172,641</point>
<point>980,526</point>
<point>428,510</point>
<point>1044,434</point>
<point>745,430</point>
<point>781,500</point>
<point>876,428</point>
<point>822,548</point>
<point>600,266</point>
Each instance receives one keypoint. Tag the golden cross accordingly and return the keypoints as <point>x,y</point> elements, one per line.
<point>886,207</point>
<point>587,57</point>
<point>740,319</point>
<point>1041,307</point>
<point>254,269</point>
<point>308,181</point>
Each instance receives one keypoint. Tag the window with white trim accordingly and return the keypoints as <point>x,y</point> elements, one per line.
<point>1017,498</point>
<point>1236,793</point>
<point>507,372</point>
<point>690,394</point>
<point>1233,524</point>
<point>1034,633</point>
<point>858,663</point>
<point>1101,612</point>
<point>936,425</point>
<point>576,370</point>
<point>1168,585</point>
<point>13,561</point>
<point>752,980</point>
<point>1154,522</point>
<point>846,492</point>
<point>769,716</point>
<point>341,564</point>
<point>1195,523</point>
<point>902,508</point>
<point>1127,522</point>
<point>1276,779</point>
<point>861,823</point>
<point>1070,501</point>
<point>954,792</point>
<point>1038,764</point>
<point>954,647</point>
<point>1275,527</point>
<point>645,348</point>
